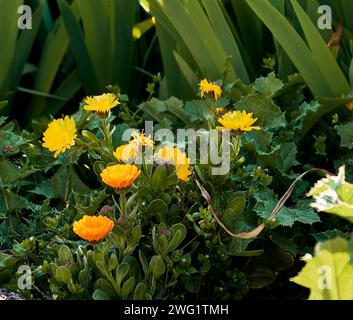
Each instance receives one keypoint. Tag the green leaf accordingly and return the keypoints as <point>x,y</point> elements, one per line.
<point>178,234</point>
<point>140,291</point>
<point>260,278</point>
<point>63,275</point>
<point>158,207</point>
<point>156,267</point>
<point>234,210</point>
<point>121,272</point>
<point>84,63</point>
<point>281,158</point>
<point>128,287</point>
<point>100,295</point>
<point>3,104</point>
<point>345,131</point>
<point>158,178</point>
<point>302,212</point>
<point>269,85</point>
<point>8,35</point>
<point>322,54</point>
<point>65,255</point>
<point>267,113</point>
<point>294,46</point>
<point>329,275</point>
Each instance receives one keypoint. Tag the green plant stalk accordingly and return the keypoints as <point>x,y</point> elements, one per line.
<point>122,202</point>
<point>236,142</point>
<point>106,134</point>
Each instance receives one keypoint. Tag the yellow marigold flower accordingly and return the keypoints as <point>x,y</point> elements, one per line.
<point>210,88</point>
<point>349,106</point>
<point>238,121</point>
<point>140,139</point>
<point>102,103</point>
<point>126,152</point>
<point>120,176</point>
<point>178,158</point>
<point>60,135</point>
<point>93,228</point>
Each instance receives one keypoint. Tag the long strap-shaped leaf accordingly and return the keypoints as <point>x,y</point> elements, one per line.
<point>84,63</point>
<point>322,54</point>
<point>294,46</point>
<point>256,231</point>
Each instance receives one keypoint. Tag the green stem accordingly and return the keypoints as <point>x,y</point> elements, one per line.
<point>106,134</point>
<point>122,202</point>
<point>68,182</point>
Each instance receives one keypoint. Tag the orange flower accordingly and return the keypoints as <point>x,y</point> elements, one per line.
<point>349,106</point>
<point>93,228</point>
<point>120,176</point>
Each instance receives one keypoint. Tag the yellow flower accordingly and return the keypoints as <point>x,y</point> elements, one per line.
<point>349,106</point>
<point>60,135</point>
<point>178,158</point>
<point>238,121</point>
<point>210,88</point>
<point>92,228</point>
<point>126,153</point>
<point>140,139</point>
<point>120,176</point>
<point>102,103</point>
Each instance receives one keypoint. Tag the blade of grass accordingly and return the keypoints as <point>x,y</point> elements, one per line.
<point>322,55</point>
<point>294,46</point>
<point>226,38</point>
<point>8,35</point>
<point>94,16</point>
<point>53,54</point>
<point>77,44</point>
<point>122,20</point>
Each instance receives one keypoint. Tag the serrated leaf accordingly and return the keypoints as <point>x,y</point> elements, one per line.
<point>345,131</point>
<point>268,85</point>
<point>302,212</point>
<point>267,113</point>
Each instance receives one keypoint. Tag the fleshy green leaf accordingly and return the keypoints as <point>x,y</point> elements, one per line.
<point>329,275</point>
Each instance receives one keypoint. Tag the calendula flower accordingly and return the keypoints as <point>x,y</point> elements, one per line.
<point>238,121</point>
<point>120,176</point>
<point>140,139</point>
<point>210,88</point>
<point>93,228</point>
<point>178,158</point>
<point>126,153</point>
<point>60,135</point>
<point>102,103</point>
<point>349,106</point>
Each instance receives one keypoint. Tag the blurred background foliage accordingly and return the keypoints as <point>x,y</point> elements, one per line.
<point>79,47</point>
